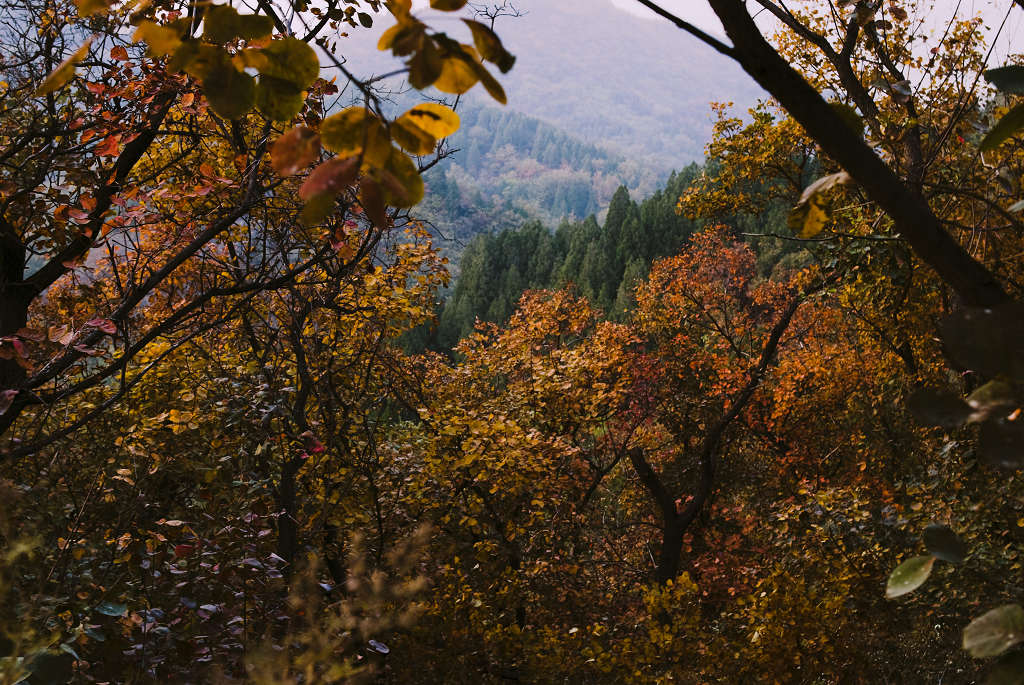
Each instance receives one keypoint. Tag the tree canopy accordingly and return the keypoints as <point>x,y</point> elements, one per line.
<point>763,425</point>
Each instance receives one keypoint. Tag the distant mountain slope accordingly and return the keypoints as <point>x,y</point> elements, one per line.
<point>533,166</point>
<point>637,87</point>
<point>508,168</point>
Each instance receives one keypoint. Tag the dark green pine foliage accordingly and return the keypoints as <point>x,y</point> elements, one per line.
<point>604,262</point>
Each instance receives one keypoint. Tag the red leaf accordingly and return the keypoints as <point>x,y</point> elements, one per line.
<point>31,334</point>
<point>105,325</point>
<point>77,214</point>
<point>109,147</point>
<point>182,551</point>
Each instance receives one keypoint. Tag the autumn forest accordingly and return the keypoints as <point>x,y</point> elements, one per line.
<point>314,374</point>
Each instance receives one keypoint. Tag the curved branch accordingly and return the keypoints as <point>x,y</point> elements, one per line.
<point>913,218</point>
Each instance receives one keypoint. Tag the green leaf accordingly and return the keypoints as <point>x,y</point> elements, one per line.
<point>288,59</point>
<point>112,609</point>
<point>277,99</point>
<point>994,632</point>
<point>316,209</point>
<point>63,74</point>
<point>159,40</point>
<point>1007,79</point>
<point>231,93</point>
<point>222,24</point>
<point>1011,122</point>
<point>365,19</point>
<point>95,634</point>
<point>909,576</point>
<point>942,542</point>
<point>198,59</point>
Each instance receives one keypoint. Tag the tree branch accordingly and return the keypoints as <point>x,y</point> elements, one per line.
<point>691,29</point>
<point>912,216</point>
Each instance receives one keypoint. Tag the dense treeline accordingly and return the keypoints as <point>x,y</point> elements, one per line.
<point>603,261</point>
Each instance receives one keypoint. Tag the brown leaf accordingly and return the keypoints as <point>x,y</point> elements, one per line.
<point>295,150</point>
<point>372,199</point>
<point>331,177</point>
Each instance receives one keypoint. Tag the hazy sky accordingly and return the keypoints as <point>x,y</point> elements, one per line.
<point>1011,38</point>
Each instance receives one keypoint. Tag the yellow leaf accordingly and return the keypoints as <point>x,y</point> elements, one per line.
<point>457,73</point>
<point>87,8</point>
<point>490,83</point>
<point>425,65</point>
<point>399,8</point>
<point>809,218</point>
<point>489,45</point>
<point>412,138</point>
<point>437,120</point>
<point>357,131</point>
<point>448,5</point>
<point>222,24</point>
<point>160,40</point>
<point>400,180</point>
<point>344,132</point>
<point>63,74</point>
<point>387,39</point>
<point>811,214</point>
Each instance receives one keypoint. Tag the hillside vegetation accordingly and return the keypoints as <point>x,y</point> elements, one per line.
<point>758,420</point>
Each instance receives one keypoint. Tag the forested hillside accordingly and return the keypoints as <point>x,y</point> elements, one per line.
<point>506,168</point>
<point>760,421</point>
<point>603,262</point>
